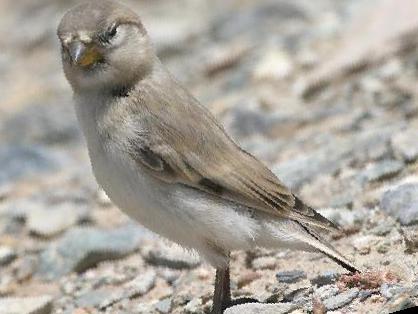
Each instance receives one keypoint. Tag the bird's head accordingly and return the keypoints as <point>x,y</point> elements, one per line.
<point>104,46</point>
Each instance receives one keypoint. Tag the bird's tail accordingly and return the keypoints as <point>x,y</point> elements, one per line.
<point>318,243</point>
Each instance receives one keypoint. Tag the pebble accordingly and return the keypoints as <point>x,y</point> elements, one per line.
<point>290,276</point>
<point>141,284</point>
<point>59,218</point>
<point>194,306</point>
<point>327,291</point>
<point>95,298</point>
<point>389,290</point>
<point>171,256</point>
<point>29,305</point>
<point>23,161</point>
<point>259,308</point>
<point>344,217</point>
<point>340,300</point>
<point>405,144</point>
<point>81,248</point>
<point>45,123</point>
<point>325,278</point>
<point>383,228</point>
<point>164,306</point>
<point>399,304</point>
<point>402,203</point>
<point>264,262</point>
<point>333,155</point>
<point>381,170</point>
<point>7,255</point>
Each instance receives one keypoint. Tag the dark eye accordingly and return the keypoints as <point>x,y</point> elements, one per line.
<point>111,32</point>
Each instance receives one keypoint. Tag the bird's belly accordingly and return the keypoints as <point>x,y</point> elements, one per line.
<point>145,199</point>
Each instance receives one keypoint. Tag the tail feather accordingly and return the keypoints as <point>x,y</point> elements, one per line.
<point>317,242</point>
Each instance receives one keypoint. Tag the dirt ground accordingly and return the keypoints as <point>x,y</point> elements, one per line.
<point>324,92</point>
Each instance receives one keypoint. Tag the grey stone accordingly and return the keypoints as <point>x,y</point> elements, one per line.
<point>164,306</point>
<point>30,305</point>
<point>405,144</point>
<point>46,123</point>
<point>331,156</point>
<point>381,170</point>
<point>383,228</point>
<point>82,248</point>
<point>390,290</point>
<point>51,220</point>
<point>7,255</point>
<point>340,300</point>
<point>194,306</point>
<point>402,203</point>
<point>141,284</point>
<point>290,276</point>
<point>94,298</point>
<point>400,303</point>
<point>18,161</point>
<point>264,262</point>
<point>170,256</point>
<point>259,308</point>
<point>344,217</point>
<point>325,278</point>
<point>327,291</point>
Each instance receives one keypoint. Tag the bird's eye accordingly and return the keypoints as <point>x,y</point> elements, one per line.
<point>111,32</point>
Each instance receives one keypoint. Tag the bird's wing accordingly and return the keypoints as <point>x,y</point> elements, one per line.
<point>205,158</point>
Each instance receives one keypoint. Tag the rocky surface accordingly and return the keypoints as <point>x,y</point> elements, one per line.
<point>320,91</point>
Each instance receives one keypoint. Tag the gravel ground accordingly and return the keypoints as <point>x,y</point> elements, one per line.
<point>323,92</point>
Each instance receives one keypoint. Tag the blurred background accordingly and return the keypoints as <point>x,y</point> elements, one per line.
<point>324,92</point>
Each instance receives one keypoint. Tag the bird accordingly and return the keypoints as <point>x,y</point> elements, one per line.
<point>165,160</point>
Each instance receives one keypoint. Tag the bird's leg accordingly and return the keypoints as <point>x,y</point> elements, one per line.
<point>222,295</point>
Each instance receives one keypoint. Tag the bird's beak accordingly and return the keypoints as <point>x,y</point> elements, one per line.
<point>83,55</point>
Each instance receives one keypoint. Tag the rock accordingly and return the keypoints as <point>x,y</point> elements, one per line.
<point>363,244</point>
<point>95,298</point>
<point>399,304</point>
<point>46,123</point>
<point>29,305</point>
<point>383,247</point>
<point>24,161</point>
<point>402,203</point>
<point>25,267</point>
<point>383,228</point>
<point>264,262</point>
<point>290,276</point>
<point>82,248</point>
<point>53,220</point>
<point>7,255</point>
<point>164,306</point>
<point>327,291</point>
<point>260,308</point>
<point>381,170</point>
<point>171,256</point>
<point>344,217</point>
<point>410,238</point>
<point>119,296</point>
<point>274,65</point>
<point>389,290</point>
<point>405,144</point>
<point>194,306</point>
<point>141,284</point>
<point>331,156</point>
<point>340,300</point>
<point>325,278</point>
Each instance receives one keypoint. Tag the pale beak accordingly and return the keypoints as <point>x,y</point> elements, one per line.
<point>83,55</point>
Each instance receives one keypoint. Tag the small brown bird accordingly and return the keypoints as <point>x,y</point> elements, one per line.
<point>164,159</point>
